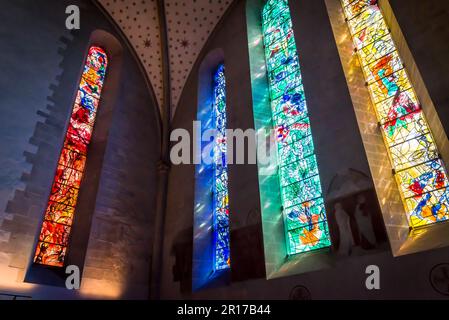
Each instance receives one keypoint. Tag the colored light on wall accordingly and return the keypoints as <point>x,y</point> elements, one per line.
<point>419,171</point>
<point>58,217</point>
<point>222,258</point>
<point>303,206</point>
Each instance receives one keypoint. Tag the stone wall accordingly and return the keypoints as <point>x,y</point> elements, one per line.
<point>43,63</point>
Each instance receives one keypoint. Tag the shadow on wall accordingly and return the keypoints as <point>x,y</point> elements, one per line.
<point>355,219</point>
<point>248,255</point>
<point>182,250</point>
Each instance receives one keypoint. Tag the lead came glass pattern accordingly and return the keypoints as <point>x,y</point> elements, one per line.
<point>222,258</point>
<point>419,171</point>
<point>303,206</point>
<point>58,217</point>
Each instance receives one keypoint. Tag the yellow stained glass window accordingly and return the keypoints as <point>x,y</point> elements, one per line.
<point>419,171</point>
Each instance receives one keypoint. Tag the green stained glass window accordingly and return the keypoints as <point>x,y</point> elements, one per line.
<point>303,206</point>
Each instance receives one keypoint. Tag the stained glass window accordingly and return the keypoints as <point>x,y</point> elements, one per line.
<point>419,171</point>
<point>60,210</point>
<point>222,258</point>
<point>301,196</point>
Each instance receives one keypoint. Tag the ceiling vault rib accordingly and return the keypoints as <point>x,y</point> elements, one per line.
<point>164,164</point>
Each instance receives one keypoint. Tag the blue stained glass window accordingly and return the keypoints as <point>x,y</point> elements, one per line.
<point>222,258</point>
<point>301,196</point>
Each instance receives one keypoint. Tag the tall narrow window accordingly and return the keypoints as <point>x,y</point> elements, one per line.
<point>418,168</point>
<point>220,191</point>
<point>303,206</point>
<point>58,217</point>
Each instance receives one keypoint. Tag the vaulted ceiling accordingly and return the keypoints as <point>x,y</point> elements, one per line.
<point>189,24</point>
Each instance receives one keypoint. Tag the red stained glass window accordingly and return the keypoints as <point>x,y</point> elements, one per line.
<point>58,217</point>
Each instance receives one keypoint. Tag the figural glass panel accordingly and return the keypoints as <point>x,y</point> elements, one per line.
<point>61,206</point>
<point>222,258</point>
<point>419,171</point>
<point>301,196</point>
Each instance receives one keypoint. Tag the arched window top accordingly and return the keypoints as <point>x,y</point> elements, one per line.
<point>53,239</point>
<point>97,59</point>
<point>220,101</point>
<point>96,64</point>
<point>275,7</point>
